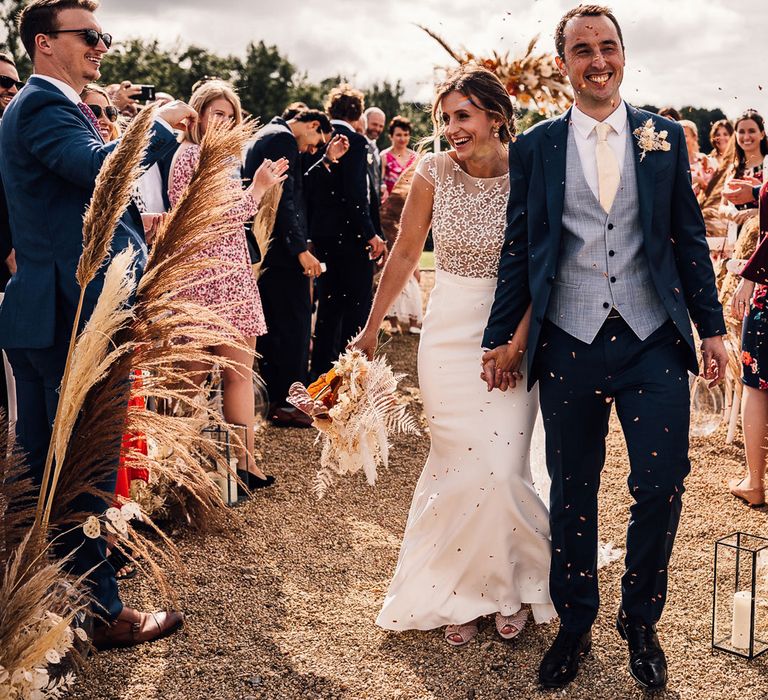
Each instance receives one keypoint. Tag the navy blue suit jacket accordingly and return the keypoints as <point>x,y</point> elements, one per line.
<point>673,234</point>
<point>274,141</point>
<point>339,211</point>
<point>50,155</point>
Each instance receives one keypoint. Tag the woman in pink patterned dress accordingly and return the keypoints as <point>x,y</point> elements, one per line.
<point>235,295</point>
<point>395,160</point>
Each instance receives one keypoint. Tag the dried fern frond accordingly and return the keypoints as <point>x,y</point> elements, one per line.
<point>355,429</point>
<point>264,223</point>
<point>38,600</point>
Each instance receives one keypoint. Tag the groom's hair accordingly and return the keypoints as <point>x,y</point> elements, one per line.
<point>584,11</point>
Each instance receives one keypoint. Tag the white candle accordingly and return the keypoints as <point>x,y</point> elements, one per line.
<point>742,612</point>
<point>221,483</point>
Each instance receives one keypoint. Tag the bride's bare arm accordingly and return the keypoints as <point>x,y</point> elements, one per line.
<point>405,255</point>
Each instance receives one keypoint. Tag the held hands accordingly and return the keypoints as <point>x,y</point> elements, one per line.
<point>378,247</point>
<point>501,366</point>
<point>740,299</point>
<point>178,114</point>
<point>714,359</point>
<point>310,264</point>
<point>337,147</point>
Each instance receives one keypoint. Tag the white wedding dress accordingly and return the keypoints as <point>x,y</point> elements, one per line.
<point>477,537</point>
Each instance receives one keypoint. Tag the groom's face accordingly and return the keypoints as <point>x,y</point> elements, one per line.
<point>593,60</point>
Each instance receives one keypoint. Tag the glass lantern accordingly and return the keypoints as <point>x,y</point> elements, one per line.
<point>224,474</point>
<point>740,595</point>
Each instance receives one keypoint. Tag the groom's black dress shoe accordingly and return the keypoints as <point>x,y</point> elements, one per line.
<point>647,663</point>
<point>561,663</point>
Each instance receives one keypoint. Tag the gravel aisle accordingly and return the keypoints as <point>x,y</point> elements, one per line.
<point>285,608</point>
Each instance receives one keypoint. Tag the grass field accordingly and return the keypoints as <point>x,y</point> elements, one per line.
<point>427,261</point>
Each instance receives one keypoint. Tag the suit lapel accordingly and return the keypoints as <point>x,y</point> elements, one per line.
<point>553,154</point>
<point>644,172</point>
<point>41,83</point>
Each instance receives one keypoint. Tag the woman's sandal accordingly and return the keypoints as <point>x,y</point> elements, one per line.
<point>461,633</point>
<point>121,563</point>
<point>754,498</point>
<point>509,626</point>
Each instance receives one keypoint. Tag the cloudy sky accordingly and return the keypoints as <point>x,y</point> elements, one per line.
<point>700,52</point>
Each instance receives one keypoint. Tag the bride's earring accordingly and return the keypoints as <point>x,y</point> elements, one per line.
<point>496,132</point>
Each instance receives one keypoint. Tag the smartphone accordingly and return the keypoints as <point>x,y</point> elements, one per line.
<point>147,93</point>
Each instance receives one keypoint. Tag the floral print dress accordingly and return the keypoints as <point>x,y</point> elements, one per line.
<point>234,296</point>
<point>754,334</point>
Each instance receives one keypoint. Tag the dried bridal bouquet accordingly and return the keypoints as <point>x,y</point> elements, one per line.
<point>355,407</point>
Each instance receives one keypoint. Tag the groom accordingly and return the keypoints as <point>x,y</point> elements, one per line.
<point>606,243</point>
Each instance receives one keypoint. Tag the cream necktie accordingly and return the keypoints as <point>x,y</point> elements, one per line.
<point>608,175</point>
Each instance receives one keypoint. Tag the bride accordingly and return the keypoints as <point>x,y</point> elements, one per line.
<point>477,538</point>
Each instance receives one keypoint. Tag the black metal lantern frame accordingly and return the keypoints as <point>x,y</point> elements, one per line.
<point>221,438</point>
<point>740,596</point>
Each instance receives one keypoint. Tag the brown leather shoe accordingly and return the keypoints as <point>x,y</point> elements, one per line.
<point>754,498</point>
<point>133,627</point>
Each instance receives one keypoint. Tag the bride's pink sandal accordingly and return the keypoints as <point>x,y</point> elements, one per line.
<point>509,626</point>
<point>458,635</point>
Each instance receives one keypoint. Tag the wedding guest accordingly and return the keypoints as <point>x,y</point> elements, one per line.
<point>50,156</point>
<point>235,295</point>
<point>670,113</point>
<point>288,267</point>
<point>395,160</point>
<point>719,136</point>
<point>477,541</point>
<point>374,127</point>
<point>344,235</point>
<point>702,166</point>
<point>9,86</point>
<point>292,110</point>
<point>748,305</point>
<point>96,98</point>
<point>746,151</point>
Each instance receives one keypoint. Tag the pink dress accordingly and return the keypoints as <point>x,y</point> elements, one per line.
<point>393,169</point>
<point>235,295</point>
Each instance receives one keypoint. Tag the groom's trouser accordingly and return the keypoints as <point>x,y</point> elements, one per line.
<point>578,383</point>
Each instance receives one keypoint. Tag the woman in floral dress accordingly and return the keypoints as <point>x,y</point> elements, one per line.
<point>235,295</point>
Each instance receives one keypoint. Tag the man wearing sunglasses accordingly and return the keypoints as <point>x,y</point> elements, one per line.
<point>50,156</point>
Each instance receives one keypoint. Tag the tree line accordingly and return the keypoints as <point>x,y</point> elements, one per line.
<point>266,80</point>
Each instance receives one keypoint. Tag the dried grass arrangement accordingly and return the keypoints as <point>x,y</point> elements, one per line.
<point>264,223</point>
<point>532,79</point>
<point>38,600</point>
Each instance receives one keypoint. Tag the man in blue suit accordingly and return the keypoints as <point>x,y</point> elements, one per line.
<point>604,259</point>
<point>50,155</point>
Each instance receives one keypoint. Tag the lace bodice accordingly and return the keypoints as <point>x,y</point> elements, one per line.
<point>468,217</point>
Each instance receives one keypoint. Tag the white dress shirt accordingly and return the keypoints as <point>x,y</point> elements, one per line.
<point>586,140</point>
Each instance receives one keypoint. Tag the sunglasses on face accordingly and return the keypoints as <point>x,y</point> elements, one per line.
<point>7,83</point>
<point>90,36</point>
<point>109,112</point>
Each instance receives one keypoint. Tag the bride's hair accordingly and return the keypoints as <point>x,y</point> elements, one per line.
<point>484,90</point>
